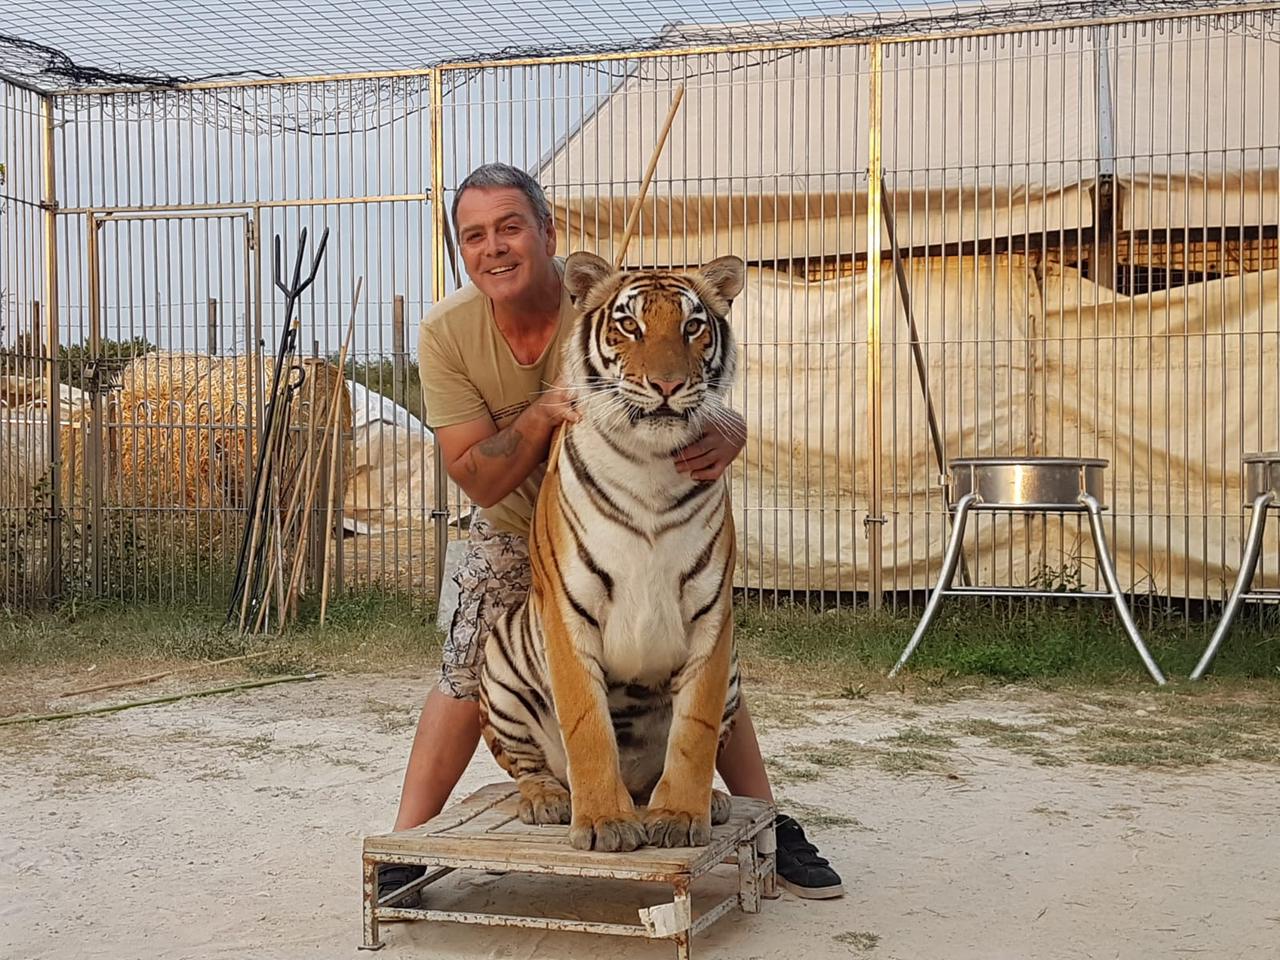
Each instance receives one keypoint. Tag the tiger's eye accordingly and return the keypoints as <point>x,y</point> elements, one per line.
<point>629,326</point>
<point>692,327</point>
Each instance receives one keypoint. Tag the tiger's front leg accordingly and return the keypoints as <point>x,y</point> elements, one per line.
<point>603,814</point>
<point>680,809</point>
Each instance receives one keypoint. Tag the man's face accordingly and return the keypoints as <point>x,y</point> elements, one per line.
<point>504,249</point>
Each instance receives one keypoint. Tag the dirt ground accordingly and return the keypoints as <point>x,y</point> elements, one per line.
<point>980,824</point>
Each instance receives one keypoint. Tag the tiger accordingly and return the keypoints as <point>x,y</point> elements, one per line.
<point>616,683</point>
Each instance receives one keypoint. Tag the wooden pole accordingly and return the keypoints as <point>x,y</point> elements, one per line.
<point>138,681</point>
<point>334,403</point>
<point>634,217</point>
<point>211,327</point>
<point>334,457</point>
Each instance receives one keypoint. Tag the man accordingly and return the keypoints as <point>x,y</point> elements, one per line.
<point>487,354</point>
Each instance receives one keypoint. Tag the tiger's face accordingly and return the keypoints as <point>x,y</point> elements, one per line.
<point>653,353</point>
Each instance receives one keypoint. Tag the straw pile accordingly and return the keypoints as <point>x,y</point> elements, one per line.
<point>177,433</point>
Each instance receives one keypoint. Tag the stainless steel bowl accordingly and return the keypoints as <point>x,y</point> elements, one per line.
<point>1261,475</point>
<point>1028,483</point>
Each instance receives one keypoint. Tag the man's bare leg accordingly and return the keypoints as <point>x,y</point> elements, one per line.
<point>801,869</point>
<point>445,741</point>
<point>740,764</point>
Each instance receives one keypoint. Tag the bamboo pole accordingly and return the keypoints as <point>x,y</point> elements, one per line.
<point>290,594</point>
<point>248,685</point>
<point>333,464</point>
<point>634,217</point>
<point>138,681</point>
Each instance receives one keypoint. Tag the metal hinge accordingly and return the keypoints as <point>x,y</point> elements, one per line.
<point>250,235</point>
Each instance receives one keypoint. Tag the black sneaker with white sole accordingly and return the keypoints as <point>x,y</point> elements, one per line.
<point>393,876</point>
<point>801,869</point>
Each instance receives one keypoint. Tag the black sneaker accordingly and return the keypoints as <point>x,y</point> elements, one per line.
<point>393,876</point>
<point>801,869</point>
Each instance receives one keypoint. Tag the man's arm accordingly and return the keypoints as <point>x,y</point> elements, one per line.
<point>488,463</point>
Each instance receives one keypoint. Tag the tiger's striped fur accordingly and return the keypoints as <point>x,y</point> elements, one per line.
<point>617,679</point>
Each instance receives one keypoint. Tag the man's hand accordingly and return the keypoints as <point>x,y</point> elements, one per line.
<point>555,405</point>
<point>710,455</point>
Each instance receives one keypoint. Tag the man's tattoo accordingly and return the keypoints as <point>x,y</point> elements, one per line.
<point>501,444</point>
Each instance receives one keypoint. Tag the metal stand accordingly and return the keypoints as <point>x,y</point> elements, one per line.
<point>1262,486</point>
<point>1029,485</point>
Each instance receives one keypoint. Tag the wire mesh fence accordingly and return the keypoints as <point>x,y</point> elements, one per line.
<point>1074,241</point>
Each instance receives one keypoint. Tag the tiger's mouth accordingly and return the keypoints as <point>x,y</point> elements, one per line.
<point>663,411</point>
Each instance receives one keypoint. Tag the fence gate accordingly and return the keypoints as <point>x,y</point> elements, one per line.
<point>156,469</point>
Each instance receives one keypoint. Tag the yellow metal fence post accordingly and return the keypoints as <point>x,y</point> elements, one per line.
<point>874,521</point>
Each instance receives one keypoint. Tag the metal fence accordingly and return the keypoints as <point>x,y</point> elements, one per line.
<point>1075,236</point>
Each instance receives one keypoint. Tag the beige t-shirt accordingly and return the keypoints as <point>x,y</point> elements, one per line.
<point>468,372</point>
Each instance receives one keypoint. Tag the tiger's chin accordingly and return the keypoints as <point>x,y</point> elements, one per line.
<point>662,430</point>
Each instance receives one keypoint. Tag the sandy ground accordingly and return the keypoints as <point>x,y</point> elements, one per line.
<point>975,827</point>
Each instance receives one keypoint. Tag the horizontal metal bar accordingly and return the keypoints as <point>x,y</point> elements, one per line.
<point>113,216</point>
<point>24,85</point>
<point>511,920</point>
<point>714,914</point>
<point>414,885</point>
<point>1028,508</point>
<point>251,205</point>
<point>1020,592</point>
<point>283,81</point>
<point>1271,595</point>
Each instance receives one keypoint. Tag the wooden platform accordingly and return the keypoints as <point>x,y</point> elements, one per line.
<point>483,832</point>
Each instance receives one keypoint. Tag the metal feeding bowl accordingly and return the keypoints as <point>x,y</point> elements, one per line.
<point>1028,483</point>
<point>1261,475</point>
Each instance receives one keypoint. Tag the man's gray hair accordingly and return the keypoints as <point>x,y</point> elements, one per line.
<point>503,175</point>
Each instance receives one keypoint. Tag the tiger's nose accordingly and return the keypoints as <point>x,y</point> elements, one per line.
<point>667,387</point>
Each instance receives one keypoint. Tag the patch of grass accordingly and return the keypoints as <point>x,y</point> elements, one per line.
<point>250,748</point>
<point>918,737</point>
<point>819,817</point>
<point>1148,756</point>
<point>982,727</point>
<point>365,631</point>
<point>781,772</point>
<point>1043,758</point>
<point>860,940</point>
<point>840,754</point>
<point>835,753</point>
<point>98,768</point>
<point>911,761</point>
<point>1055,642</point>
<point>1255,752</point>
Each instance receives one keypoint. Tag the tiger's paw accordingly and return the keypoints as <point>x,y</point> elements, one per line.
<point>544,804</point>
<point>721,807</point>
<point>617,833</point>
<point>675,828</point>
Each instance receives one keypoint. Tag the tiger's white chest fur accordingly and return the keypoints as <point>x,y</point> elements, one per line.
<point>645,525</point>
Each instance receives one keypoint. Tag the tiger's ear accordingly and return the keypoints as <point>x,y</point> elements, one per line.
<point>727,276</point>
<point>582,271</point>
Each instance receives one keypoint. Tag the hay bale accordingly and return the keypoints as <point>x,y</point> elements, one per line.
<point>177,432</point>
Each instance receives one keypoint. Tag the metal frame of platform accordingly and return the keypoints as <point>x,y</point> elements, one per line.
<point>483,832</point>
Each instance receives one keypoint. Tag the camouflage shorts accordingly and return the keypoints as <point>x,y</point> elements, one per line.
<point>492,578</point>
